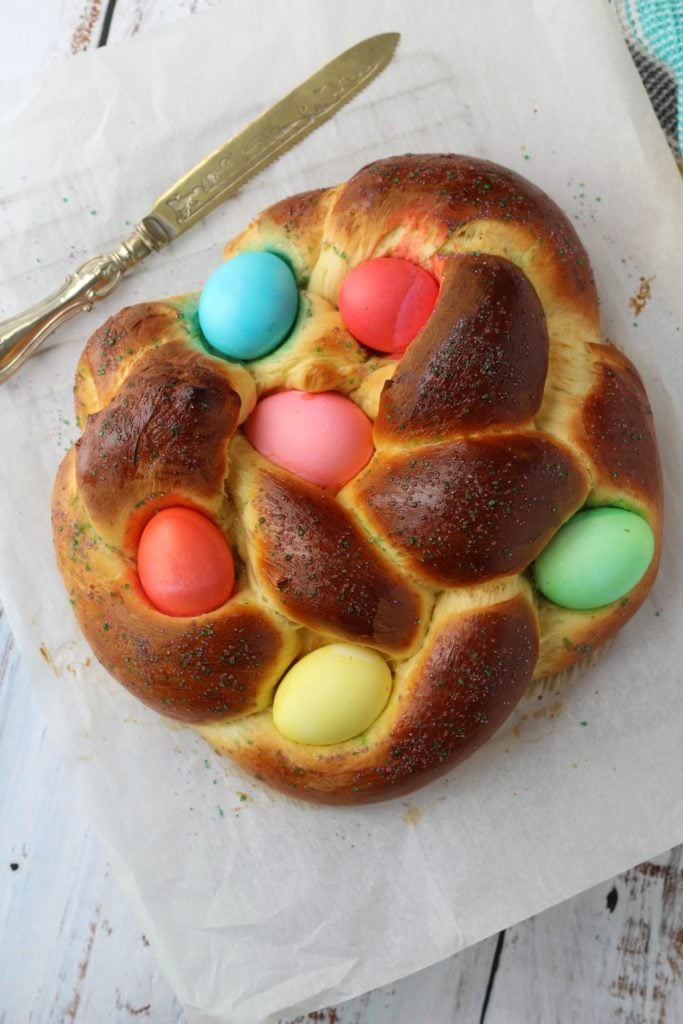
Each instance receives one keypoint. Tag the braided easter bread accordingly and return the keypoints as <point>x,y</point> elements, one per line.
<point>505,417</point>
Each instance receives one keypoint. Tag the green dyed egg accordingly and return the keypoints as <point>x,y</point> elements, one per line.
<point>595,558</point>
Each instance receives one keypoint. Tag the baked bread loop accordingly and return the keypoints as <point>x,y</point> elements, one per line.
<point>505,416</point>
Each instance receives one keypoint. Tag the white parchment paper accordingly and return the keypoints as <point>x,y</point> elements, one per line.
<point>259,906</point>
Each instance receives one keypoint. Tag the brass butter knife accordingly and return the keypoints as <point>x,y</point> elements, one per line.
<point>207,185</point>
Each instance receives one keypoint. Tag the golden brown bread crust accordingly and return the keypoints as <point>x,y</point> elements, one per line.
<point>457,377</point>
<point>166,429</point>
<point>194,670</point>
<point>447,701</point>
<point>317,567</point>
<point>470,510</point>
<point>506,415</point>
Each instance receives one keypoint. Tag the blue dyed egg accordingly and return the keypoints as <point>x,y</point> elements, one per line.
<point>248,305</point>
<point>595,558</point>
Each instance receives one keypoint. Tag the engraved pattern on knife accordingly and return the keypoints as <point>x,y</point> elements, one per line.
<point>230,170</point>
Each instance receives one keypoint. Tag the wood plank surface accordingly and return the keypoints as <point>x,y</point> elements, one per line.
<point>613,955</point>
<point>39,33</point>
<point>133,16</point>
<point>71,950</point>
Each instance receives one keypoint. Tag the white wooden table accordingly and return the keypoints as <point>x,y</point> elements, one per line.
<point>71,951</point>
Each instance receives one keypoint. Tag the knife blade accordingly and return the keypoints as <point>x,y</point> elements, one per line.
<point>220,175</point>
<point>279,128</point>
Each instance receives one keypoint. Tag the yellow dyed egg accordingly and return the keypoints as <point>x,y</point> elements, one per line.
<point>332,694</point>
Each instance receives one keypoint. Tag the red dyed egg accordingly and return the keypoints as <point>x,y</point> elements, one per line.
<point>184,563</point>
<point>386,302</point>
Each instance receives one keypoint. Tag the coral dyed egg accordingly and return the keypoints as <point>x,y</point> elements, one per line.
<point>184,563</point>
<point>322,437</point>
<point>248,305</point>
<point>595,558</point>
<point>332,694</point>
<point>386,302</point>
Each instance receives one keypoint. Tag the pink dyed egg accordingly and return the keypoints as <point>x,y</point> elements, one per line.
<point>386,302</point>
<point>321,437</point>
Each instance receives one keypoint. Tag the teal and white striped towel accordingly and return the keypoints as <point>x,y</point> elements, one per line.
<point>654,35</point>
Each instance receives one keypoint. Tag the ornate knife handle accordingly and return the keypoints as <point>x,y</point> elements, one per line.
<point>21,335</point>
